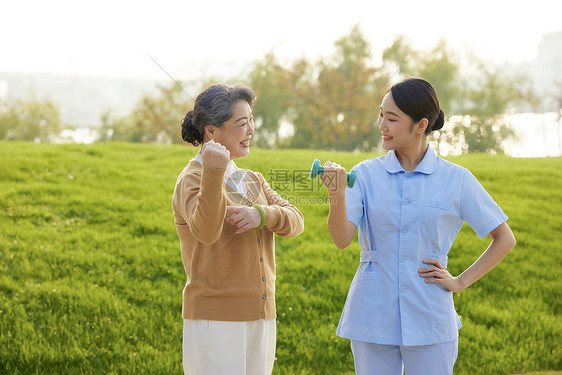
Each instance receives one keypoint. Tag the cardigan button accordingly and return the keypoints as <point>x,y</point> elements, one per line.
<point>249,203</point>
<point>263,278</point>
<point>263,297</point>
<point>259,241</point>
<point>261,259</point>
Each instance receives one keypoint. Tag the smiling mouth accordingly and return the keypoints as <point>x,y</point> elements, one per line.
<point>245,143</point>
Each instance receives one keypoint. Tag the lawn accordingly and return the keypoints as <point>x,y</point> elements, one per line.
<point>91,275</point>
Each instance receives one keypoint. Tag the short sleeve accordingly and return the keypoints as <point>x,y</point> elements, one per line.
<point>354,203</point>
<point>478,209</point>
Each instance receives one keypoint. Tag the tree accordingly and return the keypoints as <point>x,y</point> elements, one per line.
<point>400,57</point>
<point>336,105</point>
<point>330,103</point>
<point>483,102</point>
<point>29,120</point>
<point>438,66</point>
<point>348,97</point>
<point>474,105</point>
<point>155,119</point>
<point>270,81</point>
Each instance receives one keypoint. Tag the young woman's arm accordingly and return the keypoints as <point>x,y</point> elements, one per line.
<point>341,229</point>
<point>502,242</point>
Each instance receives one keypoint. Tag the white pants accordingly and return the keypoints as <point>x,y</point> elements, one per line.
<point>376,359</point>
<point>235,348</point>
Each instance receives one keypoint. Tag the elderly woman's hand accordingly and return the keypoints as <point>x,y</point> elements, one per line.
<point>214,155</point>
<point>243,217</point>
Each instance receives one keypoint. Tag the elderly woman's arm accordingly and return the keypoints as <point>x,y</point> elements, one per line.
<point>201,200</point>
<point>281,217</point>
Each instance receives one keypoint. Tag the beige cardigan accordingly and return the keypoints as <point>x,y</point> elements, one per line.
<point>230,277</point>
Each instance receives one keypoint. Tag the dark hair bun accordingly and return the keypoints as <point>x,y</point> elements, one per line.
<point>438,124</point>
<point>189,132</point>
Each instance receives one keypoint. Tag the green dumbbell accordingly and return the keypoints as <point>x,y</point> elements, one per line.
<point>318,170</point>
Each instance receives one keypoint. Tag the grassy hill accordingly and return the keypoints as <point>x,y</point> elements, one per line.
<point>91,275</point>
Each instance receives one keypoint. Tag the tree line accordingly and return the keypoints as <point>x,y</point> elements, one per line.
<point>331,103</point>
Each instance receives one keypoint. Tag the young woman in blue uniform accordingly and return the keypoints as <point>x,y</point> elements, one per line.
<point>409,206</point>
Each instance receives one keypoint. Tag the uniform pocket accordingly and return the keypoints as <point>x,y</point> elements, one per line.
<point>360,304</point>
<point>432,218</point>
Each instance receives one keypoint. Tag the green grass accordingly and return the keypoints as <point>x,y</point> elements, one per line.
<point>91,275</point>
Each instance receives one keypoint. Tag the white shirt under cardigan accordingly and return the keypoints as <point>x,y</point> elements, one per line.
<point>403,218</point>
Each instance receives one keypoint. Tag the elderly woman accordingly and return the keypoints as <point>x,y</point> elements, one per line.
<point>226,219</point>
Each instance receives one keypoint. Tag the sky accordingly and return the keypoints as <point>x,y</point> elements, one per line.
<point>194,39</point>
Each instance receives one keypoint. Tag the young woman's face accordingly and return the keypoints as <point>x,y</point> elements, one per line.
<point>396,127</point>
<point>235,134</point>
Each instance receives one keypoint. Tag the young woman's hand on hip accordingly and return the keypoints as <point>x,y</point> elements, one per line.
<point>437,274</point>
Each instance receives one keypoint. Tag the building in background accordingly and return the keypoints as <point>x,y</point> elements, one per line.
<point>547,71</point>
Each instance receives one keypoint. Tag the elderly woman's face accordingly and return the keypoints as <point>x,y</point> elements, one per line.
<point>235,134</point>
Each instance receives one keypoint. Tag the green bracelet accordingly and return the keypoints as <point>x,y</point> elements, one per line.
<point>262,213</point>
